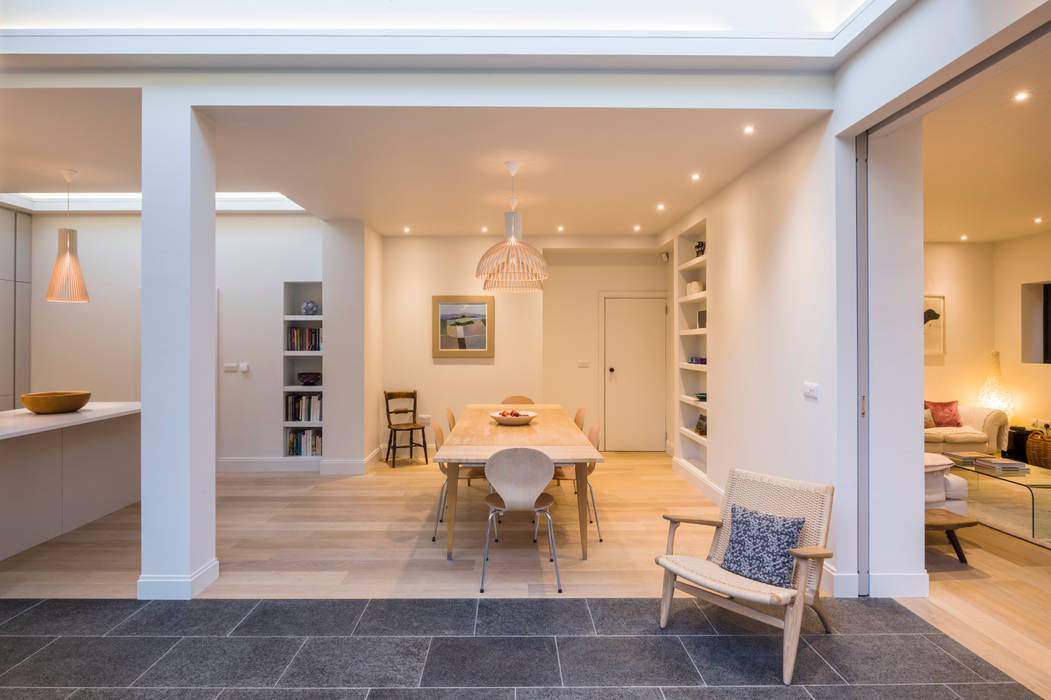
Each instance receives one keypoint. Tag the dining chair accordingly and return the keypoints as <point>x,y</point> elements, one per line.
<point>569,474</point>
<point>467,473</point>
<point>578,418</point>
<point>518,476</point>
<point>451,417</point>
<point>517,399</point>
<point>714,584</point>
<point>410,426</point>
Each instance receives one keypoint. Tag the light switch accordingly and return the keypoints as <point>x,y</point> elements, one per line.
<point>810,390</point>
<point>229,366</point>
<point>583,363</point>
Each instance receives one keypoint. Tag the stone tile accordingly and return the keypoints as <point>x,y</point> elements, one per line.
<point>9,607</point>
<point>430,617</point>
<point>890,658</point>
<point>71,617</point>
<point>881,692</point>
<point>992,691</point>
<point>754,692</point>
<point>306,618</point>
<point>363,662</point>
<point>491,662</point>
<point>866,616</point>
<point>145,694</point>
<point>729,622</point>
<point>588,694</point>
<point>625,661</point>
<point>754,660</point>
<point>533,616</point>
<point>197,662</point>
<point>984,669</point>
<point>442,694</point>
<point>88,662</point>
<point>35,693</point>
<point>185,618</point>
<point>15,649</point>
<point>642,616</point>
<point>293,694</point>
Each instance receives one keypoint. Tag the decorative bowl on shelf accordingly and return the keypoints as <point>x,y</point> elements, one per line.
<point>513,417</point>
<point>56,401</point>
<point>308,378</point>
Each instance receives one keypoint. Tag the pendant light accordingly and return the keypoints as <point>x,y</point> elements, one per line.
<point>512,265</point>
<point>67,279</point>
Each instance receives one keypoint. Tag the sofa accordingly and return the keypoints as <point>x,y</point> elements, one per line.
<point>982,430</point>
<point>941,488</point>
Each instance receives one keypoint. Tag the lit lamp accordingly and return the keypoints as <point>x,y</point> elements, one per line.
<point>994,393</point>
<point>67,279</point>
<point>512,265</point>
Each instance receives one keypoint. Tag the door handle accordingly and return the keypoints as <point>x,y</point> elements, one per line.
<point>611,370</point>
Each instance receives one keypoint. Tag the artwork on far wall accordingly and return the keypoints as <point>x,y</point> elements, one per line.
<point>933,325</point>
<point>463,326</point>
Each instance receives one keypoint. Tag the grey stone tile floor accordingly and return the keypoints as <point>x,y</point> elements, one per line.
<point>514,649</point>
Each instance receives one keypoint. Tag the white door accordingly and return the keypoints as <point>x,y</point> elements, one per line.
<point>635,375</point>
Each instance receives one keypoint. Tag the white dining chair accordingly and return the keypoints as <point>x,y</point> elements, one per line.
<point>518,476</point>
<point>569,474</point>
<point>578,417</point>
<point>467,473</point>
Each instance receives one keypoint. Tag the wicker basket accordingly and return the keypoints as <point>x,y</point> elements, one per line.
<point>1038,449</point>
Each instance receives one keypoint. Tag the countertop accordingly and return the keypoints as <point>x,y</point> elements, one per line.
<point>22,422</point>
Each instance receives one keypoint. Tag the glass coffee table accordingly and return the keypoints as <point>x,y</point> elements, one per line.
<point>1018,504</point>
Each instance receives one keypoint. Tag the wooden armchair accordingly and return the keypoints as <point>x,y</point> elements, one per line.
<point>707,580</point>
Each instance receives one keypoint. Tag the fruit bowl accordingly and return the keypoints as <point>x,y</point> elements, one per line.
<point>56,401</point>
<point>512,417</point>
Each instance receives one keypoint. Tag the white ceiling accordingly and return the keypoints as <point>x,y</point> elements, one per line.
<point>987,157</point>
<point>437,170</point>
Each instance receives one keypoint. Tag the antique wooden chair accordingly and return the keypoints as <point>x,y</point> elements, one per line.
<point>411,426</point>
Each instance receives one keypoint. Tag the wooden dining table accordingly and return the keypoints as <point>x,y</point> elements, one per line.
<point>477,436</point>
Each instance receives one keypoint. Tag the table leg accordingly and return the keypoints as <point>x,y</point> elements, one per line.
<point>582,506</point>
<point>452,478</point>
<point>951,534</point>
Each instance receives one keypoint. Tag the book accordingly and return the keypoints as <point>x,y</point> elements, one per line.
<point>966,457</point>
<point>1000,463</point>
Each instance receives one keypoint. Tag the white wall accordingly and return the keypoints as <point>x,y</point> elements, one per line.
<point>963,274</point>
<point>416,268</point>
<point>571,316</point>
<point>374,420</point>
<point>95,346</point>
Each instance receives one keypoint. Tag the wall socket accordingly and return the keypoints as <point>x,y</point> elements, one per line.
<point>1043,424</point>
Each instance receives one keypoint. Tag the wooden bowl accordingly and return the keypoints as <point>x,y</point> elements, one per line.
<point>522,419</point>
<point>56,401</point>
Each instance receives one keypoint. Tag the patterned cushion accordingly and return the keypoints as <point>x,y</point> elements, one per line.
<point>928,419</point>
<point>759,544</point>
<point>946,413</point>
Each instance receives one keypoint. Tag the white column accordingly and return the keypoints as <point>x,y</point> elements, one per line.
<point>178,349</point>
<point>343,304</point>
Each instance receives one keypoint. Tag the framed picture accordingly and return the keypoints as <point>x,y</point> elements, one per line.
<point>463,326</point>
<point>933,325</point>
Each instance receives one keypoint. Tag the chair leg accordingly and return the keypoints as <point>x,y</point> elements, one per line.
<point>496,526</point>
<point>444,506</point>
<point>793,621</point>
<point>394,449</point>
<point>423,439</point>
<point>536,526</point>
<point>594,509</point>
<point>667,591</point>
<point>438,515</point>
<point>822,613</point>
<point>554,553</point>
<point>390,438</point>
<point>481,589</point>
<point>955,542</point>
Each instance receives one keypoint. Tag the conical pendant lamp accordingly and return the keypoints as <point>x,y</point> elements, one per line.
<point>512,265</point>
<point>67,279</point>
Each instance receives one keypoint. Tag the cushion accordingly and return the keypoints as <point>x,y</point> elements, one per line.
<point>945,413</point>
<point>928,418</point>
<point>955,487</point>
<point>933,461</point>
<point>759,544</point>
<point>965,435</point>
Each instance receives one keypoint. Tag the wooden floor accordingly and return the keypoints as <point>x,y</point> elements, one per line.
<point>304,536</point>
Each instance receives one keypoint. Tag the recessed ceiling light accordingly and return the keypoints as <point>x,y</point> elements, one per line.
<point>561,228</point>
<point>660,207</point>
<point>963,237</point>
<point>695,177</point>
<point>1038,220</point>
<point>406,229</point>
<point>1021,96</point>
<point>749,129</point>
<point>637,227</point>
<point>485,229</point>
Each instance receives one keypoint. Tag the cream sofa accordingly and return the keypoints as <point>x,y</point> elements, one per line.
<point>982,430</point>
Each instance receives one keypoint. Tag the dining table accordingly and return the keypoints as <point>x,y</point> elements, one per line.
<point>477,436</point>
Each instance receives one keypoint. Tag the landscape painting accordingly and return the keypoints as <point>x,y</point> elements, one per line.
<point>462,326</point>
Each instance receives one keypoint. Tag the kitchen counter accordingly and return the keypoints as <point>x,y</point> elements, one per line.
<point>63,470</point>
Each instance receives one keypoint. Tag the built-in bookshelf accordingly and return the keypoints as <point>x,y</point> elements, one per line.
<point>692,369</point>
<point>303,350</point>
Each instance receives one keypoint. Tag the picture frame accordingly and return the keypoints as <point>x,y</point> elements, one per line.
<point>933,325</point>
<point>463,326</point>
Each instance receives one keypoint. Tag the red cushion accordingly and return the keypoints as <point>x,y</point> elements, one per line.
<point>946,413</point>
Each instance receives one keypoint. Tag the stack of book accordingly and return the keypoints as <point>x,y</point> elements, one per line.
<point>966,459</point>
<point>303,407</point>
<point>1000,466</point>
<point>301,339</point>
<point>304,443</point>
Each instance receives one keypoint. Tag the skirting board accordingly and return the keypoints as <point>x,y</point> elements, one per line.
<point>268,464</point>
<point>177,587</point>
<point>839,584</point>
<point>899,585</point>
<point>698,479</point>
